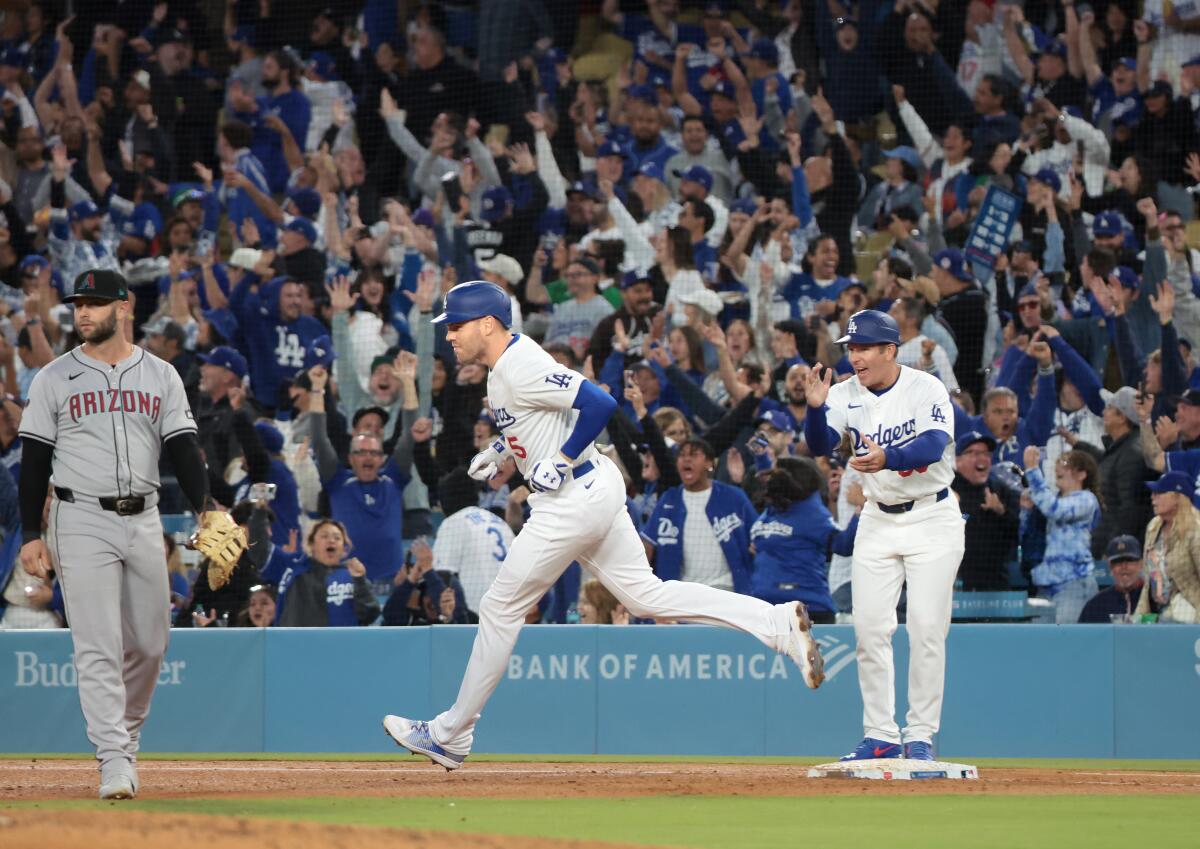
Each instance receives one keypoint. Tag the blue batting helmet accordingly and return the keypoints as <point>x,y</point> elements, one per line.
<point>871,327</point>
<point>476,299</point>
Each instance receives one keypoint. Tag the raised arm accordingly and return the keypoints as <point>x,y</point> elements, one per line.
<point>687,102</point>
<point>1013,17</point>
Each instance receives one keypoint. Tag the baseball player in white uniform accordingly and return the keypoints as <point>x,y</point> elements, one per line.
<point>98,419</point>
<point>901,428</point>
<point>548,417</point>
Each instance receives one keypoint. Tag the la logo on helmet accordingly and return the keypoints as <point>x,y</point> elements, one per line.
<point>851,327</point>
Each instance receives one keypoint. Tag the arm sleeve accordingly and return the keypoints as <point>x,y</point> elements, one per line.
<point>1039,424</point>
<point>1174,377</point>
<point>723,434</point>
<point>595,408</point>
<point>801,199</point>
<point>1053,507</point>
<point>924,450</point>
<point>31,491</point>
<point>821,438</point>
<point>693,394</point>
<point>1079,373</point>
<point>188,464</point>
<point>327,461</point>
<point>1130,357</point>
<point>258,461</point>
<point>842,542</point>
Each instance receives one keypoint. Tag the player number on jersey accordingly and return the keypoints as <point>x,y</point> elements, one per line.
<point>288,352</point>
<point>919,470</point>
<point>518,450</point>
<point>501,550</point>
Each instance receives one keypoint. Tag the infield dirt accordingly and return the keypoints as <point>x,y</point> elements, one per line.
<point>51,780</point>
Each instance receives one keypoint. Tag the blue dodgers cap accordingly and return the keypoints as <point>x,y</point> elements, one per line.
<point>13,57</point>
<point>1123,547</point>
<point>779,420</point>
<point>871,327</point>
<point>653,170</point>
<point>1179,482</point>
<point>269,436</point>
<point>696,174</point>
<point>226,358</point>
<point>1126,276</point>
<point>970,438</point>
<point>746,206</point>
<point>586,188</point>
<point>319,353</point>
<point>423,218</point>
<point>632,278</point>
<point>244,34</point>
<point>1055,47</point>
<point>222,321</point>
<point>905,153</point>
<point>1130,64</point>
<point>1050,177</point>
<point>495,203</point>
<point>1029,290</point>
<point>610,148</point>
<point>323,65</point>
<point>952,261</point>
<point>83,209</point>
<point>306,201</point>
<point>1107,224</point>
<point>725,89</point>
<point>475,299</point>
<point>33,263</point>
<point>765,49</point>
<point>144,223</point>
<point>1159,88</point>
<point>304,227</point>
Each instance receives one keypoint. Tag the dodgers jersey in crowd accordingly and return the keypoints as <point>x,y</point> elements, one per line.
<point>107,423</point>
<point>915,403</point>
<point>531,394</point>
<point>472,543</point>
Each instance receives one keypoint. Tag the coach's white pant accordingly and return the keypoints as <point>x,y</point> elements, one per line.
<point>923,548</point>
<point>586,521</point>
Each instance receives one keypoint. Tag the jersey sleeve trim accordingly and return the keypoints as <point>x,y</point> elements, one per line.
<point>178,431</point>
<point>45,440</point>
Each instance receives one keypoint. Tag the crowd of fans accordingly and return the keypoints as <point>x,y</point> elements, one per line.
<point>687,203</point>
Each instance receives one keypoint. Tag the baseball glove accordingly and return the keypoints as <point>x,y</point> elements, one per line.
<point>221,541</point>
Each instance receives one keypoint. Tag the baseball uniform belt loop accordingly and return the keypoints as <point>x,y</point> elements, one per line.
<point>582,469</point>
<point>906,506</point>
<point>129,505</point>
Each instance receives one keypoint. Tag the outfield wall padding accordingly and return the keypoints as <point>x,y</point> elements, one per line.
<point>1126,691</point>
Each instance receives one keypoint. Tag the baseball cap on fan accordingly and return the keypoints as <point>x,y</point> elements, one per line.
<point>101,284</point>
<point>226,358</point>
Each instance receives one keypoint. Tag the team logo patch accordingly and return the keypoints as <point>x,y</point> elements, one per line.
<point>562,380</point>
<point>851,327</point>
<point>937,415</point>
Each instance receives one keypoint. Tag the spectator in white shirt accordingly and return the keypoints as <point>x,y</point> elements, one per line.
<point>919,351</point>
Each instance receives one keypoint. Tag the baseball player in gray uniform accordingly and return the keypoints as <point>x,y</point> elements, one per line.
<point>97,420</point>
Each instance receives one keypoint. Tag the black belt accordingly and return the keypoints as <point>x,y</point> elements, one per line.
<point>906,506</point>
<point>126,506</point>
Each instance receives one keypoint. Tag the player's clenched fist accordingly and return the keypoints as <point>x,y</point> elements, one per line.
<point>548,475</point>
<point>816,385</point>
<point>35,558</point>
<point>486,463</point>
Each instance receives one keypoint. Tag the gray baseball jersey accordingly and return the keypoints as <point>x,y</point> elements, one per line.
<point>107,423</point>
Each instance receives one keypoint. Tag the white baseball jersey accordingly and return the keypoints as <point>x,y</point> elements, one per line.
<point>472,543</point>
<point>531,395</point>
<point>107,423</point>
<point>917,402</point>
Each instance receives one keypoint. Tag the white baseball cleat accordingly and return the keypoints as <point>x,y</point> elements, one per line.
<point>120,786</point>
<point>414,735</point>
<point>802,647</point>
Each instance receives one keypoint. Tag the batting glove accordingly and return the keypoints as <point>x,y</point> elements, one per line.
<point>548,475</point>
<point>487,462</point>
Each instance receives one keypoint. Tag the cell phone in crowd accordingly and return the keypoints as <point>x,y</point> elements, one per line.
<point>628,377</point>
<point>262,492</point>
<point>452,188</point>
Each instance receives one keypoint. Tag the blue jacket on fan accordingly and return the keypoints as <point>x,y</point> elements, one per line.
<point>730,514</point>
<point>275,347</point>
<point>792,548</point>
<point>293,108</point>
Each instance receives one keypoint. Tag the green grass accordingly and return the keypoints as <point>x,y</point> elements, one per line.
<point>1090,764</point>
<point>830,822</point>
